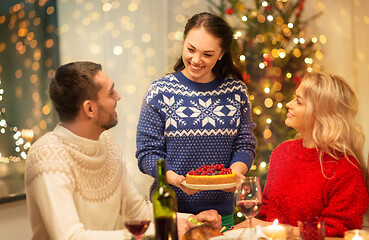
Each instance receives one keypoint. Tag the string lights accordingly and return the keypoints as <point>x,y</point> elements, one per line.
<point>28,55</point>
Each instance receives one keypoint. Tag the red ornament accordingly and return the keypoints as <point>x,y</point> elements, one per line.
<point>267,58</point>
<point>229,11</point>
<point>301,5</point>
<point>297,80</point>
<point>246,77</point>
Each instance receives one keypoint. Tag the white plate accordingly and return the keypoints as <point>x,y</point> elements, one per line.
<point>234,235</point>
<point>242,233</point>
<point>210,187</point>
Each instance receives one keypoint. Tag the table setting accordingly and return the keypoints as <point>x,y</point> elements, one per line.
<point>248,199</point>
<point>243,233</point>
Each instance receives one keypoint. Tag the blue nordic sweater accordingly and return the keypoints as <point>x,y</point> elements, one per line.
<point>191,124</point>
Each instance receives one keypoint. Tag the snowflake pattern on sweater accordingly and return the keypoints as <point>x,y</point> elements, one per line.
<point>191,124</point>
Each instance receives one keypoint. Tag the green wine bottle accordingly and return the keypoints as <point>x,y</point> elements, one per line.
<point>165,206</point>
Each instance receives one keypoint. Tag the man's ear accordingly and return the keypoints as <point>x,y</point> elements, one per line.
<point>89,108</point>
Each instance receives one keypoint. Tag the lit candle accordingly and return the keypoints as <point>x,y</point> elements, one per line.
<point>275,231</point>
<point>357,237</point>
<point>356,234</point>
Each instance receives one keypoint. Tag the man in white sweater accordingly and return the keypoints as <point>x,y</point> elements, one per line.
<point>76,181</point>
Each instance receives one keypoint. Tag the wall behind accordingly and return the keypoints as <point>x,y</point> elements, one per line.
<point>136,42</point>
<point>346,51</point>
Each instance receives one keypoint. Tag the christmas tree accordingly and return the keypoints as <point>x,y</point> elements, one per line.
<point>272,50</point>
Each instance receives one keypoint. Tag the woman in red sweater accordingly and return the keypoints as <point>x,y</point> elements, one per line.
<point>321,173</point>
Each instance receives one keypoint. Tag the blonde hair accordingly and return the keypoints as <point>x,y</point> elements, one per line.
<point>331,109</point>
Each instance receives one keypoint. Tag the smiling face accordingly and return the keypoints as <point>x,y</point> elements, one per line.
<point>200,53</point>
<point>106,102</point>
<point>296,112</point>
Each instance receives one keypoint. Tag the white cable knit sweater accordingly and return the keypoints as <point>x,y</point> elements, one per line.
<point>79,188</point>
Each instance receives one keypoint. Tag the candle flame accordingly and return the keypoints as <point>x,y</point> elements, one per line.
<point>275,222</point>
<point>357,237</point>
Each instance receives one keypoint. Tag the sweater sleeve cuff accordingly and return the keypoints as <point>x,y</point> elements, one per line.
<point>169,167</point>
<point>244,157</point>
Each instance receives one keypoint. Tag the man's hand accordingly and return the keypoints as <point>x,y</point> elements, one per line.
<point>176,180</point>
<point>209,217</point>
<point>183,226</point>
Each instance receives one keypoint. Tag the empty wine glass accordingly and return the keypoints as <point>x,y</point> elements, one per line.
<point>248,198</point>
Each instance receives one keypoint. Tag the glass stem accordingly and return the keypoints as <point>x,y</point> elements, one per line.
<point>252,229</point>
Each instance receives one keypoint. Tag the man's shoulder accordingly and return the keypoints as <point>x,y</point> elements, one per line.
<point>47,154</point>
<point>46,148</point>
<point>48,139</point>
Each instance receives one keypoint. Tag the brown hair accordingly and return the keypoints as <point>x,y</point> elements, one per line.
<point>73,84</point>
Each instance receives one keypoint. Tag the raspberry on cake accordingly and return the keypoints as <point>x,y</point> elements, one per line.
<point>213,174</point>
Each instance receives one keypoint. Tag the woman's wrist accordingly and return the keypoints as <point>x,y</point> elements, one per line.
<point>172,178</point>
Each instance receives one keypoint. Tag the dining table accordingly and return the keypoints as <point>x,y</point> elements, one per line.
<point>236,233</point>
<point>152,238</point>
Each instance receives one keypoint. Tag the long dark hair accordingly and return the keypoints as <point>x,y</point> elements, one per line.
<point>219,28</point>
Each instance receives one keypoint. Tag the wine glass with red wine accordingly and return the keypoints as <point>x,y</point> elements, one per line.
<point>137,226</point>
<point>248,198</point>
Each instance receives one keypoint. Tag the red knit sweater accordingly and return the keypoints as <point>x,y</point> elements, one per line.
<point>296,189</point>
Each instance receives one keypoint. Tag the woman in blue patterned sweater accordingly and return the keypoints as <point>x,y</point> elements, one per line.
<point>201,114</point>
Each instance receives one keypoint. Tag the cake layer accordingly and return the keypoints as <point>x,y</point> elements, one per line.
<point>212,179</point>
